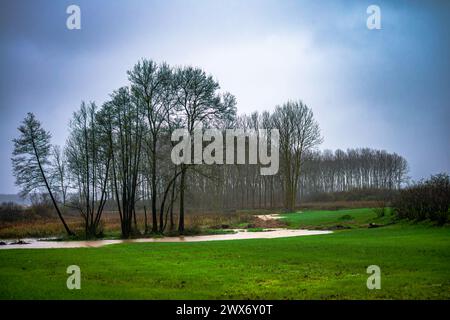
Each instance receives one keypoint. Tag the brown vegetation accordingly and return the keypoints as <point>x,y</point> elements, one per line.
<point>21,222</point>
<point>40,220</point>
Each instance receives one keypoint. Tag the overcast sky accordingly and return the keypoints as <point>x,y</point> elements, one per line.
<point>387,89</point>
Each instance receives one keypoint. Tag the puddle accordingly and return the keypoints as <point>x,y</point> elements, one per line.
<point>240,234</point>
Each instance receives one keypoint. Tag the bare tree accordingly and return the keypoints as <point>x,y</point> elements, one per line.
<point>59,173</point>
<point>299,132</point>
<point>89,162</point>
<point>198,101</point>
<point>125,135</point>
<point>151,85</point>
<point>30,158</point>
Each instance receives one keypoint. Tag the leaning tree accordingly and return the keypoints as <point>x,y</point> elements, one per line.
<point>31,158</point>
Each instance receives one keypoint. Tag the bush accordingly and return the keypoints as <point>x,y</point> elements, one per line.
<point>9,211</point>
<point>40,208</point>
<point>429,199</point>
<point>381,209</point>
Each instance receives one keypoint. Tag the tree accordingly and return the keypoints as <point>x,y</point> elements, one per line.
<point>30,158</point>
<point>125,134</point>
<point>198,101</point>
<point>299,132</point>
<point>151,85</point>
<point>59,174</point>
<point>89,161</point>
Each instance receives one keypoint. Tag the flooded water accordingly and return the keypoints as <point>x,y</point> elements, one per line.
<point>240,234</point>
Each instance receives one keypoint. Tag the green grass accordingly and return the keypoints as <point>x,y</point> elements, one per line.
<point>414,261</point>
<point>217,231</point>
<point>323,219</point>
<point>257,229</point>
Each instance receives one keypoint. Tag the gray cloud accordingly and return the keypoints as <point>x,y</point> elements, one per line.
<point>385,89</point>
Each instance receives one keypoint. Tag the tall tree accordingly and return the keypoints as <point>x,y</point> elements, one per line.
<point>151,85</point>
<point>89,161</point>
<point>126,131</point>
<point>30,158</point>
<point>299,132</point>
<point>198,101</point>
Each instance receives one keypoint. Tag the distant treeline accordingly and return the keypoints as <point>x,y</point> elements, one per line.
<point>363,168</point>
<point>364,194</point>
<point>358,174</point>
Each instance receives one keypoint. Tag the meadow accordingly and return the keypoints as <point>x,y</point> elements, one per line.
<point>414,259</point>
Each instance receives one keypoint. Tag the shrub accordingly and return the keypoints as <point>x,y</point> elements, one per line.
<point>429,199</point>
<point>381,209</point>
<point>9,211</point>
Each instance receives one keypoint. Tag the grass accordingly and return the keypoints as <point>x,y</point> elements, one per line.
<point>414,261</point>
<point>256,229</point>
<point>326,219</point>
<point>206,232</point>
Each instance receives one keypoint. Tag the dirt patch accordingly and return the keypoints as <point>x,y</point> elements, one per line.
<point>338,227</point>
<point>267,221</point>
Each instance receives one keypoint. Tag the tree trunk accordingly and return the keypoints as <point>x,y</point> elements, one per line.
<point>155,220</point>
<point>182,183</point>
<point>66,227</point>
<point>145,221</point>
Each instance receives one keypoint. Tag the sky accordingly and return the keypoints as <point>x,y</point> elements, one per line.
<point>386,89</point>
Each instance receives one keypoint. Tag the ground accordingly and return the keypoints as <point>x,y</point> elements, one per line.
<point>414,259</point>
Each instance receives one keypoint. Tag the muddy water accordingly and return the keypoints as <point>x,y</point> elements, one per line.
<point>240,234</point>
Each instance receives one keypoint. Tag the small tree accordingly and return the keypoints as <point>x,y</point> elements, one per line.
<point>381,209</point>
<point>30,156</point>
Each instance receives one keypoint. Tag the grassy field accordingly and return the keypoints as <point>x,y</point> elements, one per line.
<point>326,219</point>
<point>414,261</point>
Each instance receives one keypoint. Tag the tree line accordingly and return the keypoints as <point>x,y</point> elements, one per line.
<point>236,187</point>
<point>120,152</point>
<point>363,168</point>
